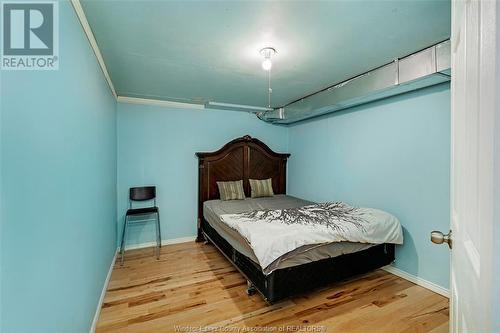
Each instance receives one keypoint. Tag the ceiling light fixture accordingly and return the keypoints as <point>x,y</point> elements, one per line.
<point>267,53</point>
<point>267,64</point>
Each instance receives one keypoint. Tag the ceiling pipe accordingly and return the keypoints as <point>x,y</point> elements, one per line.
<point>236,107</point>
<point>421,69</point>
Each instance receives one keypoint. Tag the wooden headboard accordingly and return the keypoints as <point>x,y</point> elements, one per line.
<point>241,159</point>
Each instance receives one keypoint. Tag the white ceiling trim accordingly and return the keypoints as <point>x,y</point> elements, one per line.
<point>77,6</point>
<point>158,102</point>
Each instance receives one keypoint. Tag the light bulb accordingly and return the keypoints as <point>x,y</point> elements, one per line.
<point>267,64</point>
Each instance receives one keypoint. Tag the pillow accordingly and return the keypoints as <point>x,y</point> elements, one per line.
<point>231,190</point>
<point>261,188</point>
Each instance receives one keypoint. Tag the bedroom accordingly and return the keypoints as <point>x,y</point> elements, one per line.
<point>308,103</point>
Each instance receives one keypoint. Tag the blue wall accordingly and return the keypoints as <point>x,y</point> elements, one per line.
<point>156,145</point>
<point>60,200</point>
<point>393,155</point>
<point>58,158</point>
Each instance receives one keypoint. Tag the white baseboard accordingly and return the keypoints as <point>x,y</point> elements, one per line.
<point>417,280</point>
<point>163,242</point>
<point>103,293</point>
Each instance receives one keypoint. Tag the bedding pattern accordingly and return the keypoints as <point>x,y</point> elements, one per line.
<point>213,209</point>
<point>272,233</point>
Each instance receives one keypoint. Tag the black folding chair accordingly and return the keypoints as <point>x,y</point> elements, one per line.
<point>145,193</point>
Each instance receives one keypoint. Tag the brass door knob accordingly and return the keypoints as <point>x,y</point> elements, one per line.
<point>438,237</point>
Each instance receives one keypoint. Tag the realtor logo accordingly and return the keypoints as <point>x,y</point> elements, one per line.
<point>30,36</point>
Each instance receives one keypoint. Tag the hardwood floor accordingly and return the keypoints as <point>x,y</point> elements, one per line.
<point>193,286</point>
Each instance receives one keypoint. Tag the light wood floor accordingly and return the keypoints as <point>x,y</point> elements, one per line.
<point>193,285</point>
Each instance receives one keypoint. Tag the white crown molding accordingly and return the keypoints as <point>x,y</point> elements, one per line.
<point>77,6</point>
<point>159,102</point>
<point>80,13</point>
<point>417,280</point>
<point>163,242</point>
<point>103,293</point>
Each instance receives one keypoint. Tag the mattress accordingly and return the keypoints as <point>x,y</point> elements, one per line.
<point>213,209</point>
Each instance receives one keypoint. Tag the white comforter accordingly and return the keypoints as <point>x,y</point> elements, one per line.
<point>273,233</point>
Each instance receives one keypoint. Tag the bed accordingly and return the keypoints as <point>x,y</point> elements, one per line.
<point>298,271</point>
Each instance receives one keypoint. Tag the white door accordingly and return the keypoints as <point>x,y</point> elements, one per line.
<point>473,108</point>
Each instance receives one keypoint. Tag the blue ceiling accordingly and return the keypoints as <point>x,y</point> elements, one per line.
<point>199,51</point>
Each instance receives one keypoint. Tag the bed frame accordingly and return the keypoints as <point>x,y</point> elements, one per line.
<point>249,158</point>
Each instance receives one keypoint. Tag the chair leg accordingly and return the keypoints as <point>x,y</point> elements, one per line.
<point>122,245</point>
<point>158,236</point>
<point>159,229</point>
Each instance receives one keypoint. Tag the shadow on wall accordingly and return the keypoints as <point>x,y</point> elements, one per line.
<point>443,87</point>
<point>410,251</point>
